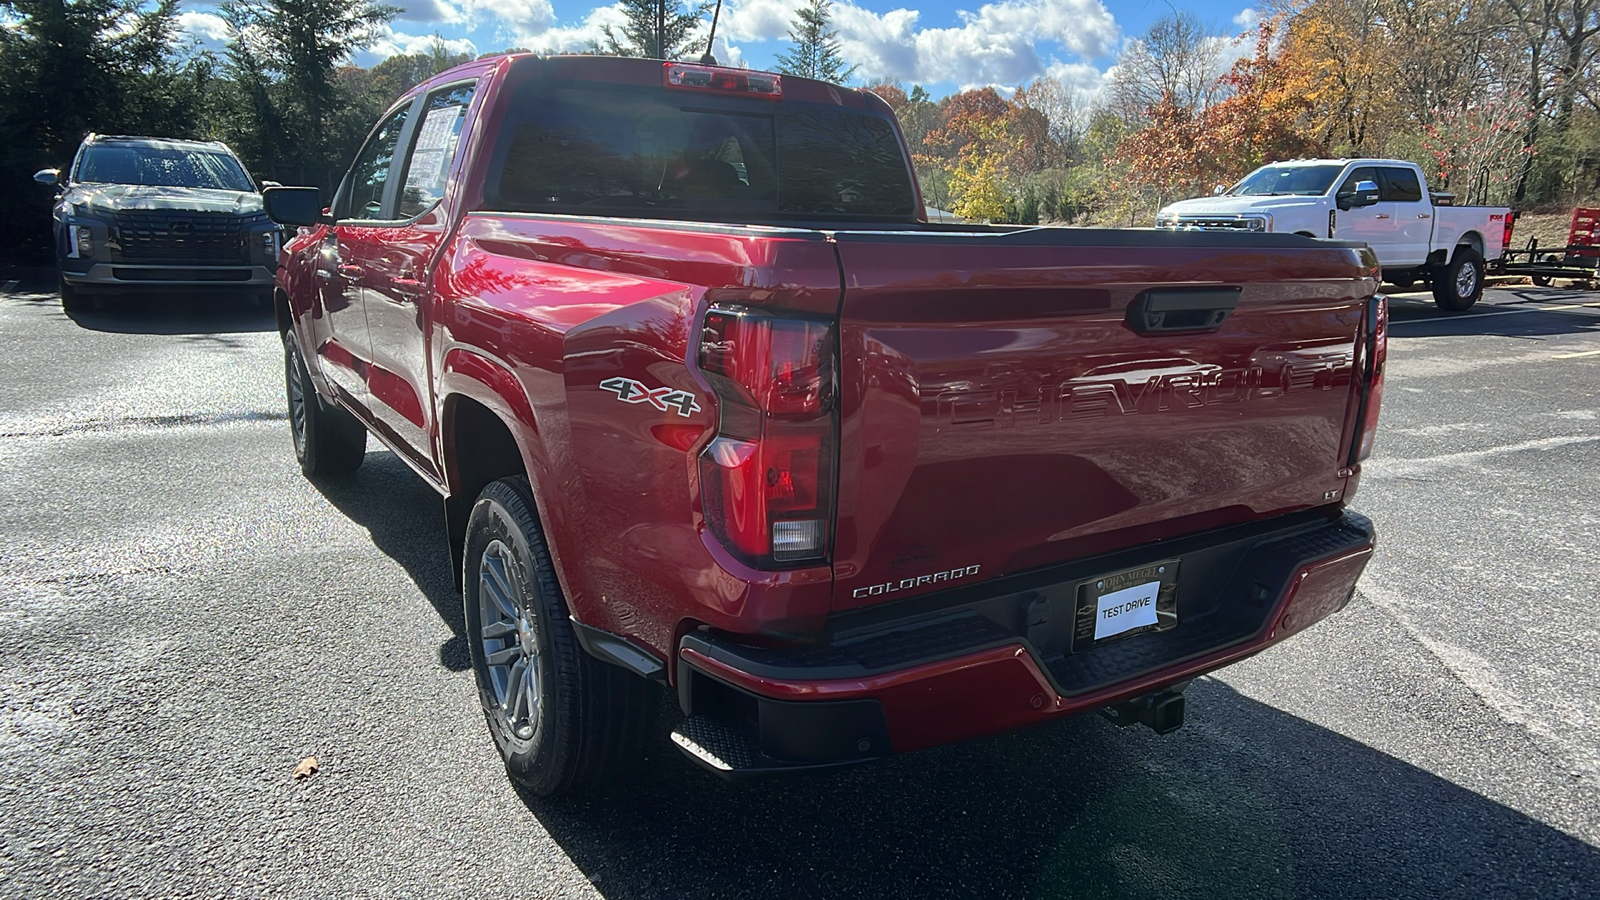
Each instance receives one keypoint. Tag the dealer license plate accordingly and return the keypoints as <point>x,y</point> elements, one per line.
<point>1123,604</point>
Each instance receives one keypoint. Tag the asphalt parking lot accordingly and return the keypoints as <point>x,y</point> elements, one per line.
<point>183,618</point>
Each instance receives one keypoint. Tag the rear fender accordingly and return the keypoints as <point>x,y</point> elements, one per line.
<point>1471,239</point>
<point>470,375</point>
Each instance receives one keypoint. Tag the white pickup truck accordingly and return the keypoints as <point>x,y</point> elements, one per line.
<point>1384,202</point>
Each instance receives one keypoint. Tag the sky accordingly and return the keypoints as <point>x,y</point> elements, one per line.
<point>945,45</point>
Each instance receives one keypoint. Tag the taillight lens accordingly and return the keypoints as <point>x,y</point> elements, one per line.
<point>768,476</point>
<point>1377,353</point>
<point>1505,241</point>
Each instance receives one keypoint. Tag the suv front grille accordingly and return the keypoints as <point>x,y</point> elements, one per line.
<point>170,236</point>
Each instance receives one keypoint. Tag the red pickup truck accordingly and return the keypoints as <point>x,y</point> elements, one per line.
<point>712,406</point>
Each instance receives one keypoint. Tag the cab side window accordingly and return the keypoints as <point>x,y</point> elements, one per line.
<point>370,174</point>
<point>1400,185</point>
<point>433,149</point>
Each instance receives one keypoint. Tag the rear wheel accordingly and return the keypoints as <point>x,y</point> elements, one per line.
<point>1459,284</point>
<point>561,719</point>
<point>328,441</point>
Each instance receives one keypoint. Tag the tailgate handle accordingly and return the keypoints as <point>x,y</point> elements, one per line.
<point>1202,309</point>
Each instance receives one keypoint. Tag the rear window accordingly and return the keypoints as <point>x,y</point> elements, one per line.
<point>659,154</point>
<point>161,165</point>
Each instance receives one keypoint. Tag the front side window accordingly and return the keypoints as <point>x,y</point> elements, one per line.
<point>1356,176</point>
<point>162,165</point>
<point>653,153</point>
<point>370,174</point>
<point>433,149</point>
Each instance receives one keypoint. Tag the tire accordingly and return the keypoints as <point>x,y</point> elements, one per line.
<point>72,299</point>
<point>1540,280</point>
<point>561,719</point>
<point>1459,283</point>
<point>328,441</point>
<point>1402,281</point>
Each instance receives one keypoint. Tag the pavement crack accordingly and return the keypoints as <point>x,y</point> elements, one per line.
<point>138,422</point>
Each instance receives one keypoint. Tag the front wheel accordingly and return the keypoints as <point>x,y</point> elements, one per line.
<point>328,441</point>
<point>561,719</point>
<point>72,299</point>
<point>1459,283</point>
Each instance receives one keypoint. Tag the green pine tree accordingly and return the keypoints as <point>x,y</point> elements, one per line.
<point>815,52</point>
<point>656,29</point>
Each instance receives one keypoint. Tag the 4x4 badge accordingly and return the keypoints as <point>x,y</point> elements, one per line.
<point>662,398</point>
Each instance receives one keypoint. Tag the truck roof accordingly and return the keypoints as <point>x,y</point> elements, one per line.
<point>1343,161</point>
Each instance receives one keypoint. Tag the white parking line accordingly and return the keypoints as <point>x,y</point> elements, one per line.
<point>1576,355</point>
<point>1411,466</point>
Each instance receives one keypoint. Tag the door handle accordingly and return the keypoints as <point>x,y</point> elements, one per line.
<point>1381,216</point>
<point>1424,216</point>
<point>348,271</point>
<point>410,287</point>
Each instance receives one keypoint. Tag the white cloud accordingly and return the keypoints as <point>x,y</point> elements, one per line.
<point>757,20</point>
<point>995,45</point>
<point>1247,19</point>
<point>521,15</point>
<point>205,26</point>
<point>428,11</point>
<point>1082,78</point>
<point>550,39</point>
<point>395,43</point>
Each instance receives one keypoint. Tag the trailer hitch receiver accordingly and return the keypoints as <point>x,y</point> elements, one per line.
<point>1162,711</point>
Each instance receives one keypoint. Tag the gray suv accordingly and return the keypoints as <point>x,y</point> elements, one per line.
<point>152,214</point>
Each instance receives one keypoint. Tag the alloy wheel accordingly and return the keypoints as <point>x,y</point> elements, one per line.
<point>510,640</point>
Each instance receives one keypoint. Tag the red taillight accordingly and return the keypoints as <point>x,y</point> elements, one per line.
<point>1511,221</point>
<point>733,81</point>
<point>767,477</point>
<point>1376,353</point>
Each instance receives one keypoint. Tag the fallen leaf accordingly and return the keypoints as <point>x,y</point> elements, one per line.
<point>305,769</point>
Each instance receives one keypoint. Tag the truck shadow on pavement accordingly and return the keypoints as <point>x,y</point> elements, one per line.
<point>1245,801</point>
<point>1513,312</point>
<point>1077,809</point>
<point>201,315</point>
<point>406,520</point>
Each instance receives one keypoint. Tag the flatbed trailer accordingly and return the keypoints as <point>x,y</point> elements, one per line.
<point>1579,259</point>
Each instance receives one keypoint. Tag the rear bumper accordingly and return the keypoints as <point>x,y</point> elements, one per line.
<point>1001,655</point>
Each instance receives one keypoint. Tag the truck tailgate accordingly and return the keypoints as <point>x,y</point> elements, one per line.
<point>1000,413</point>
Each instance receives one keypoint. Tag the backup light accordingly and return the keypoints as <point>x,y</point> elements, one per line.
<point>768,476</point>
<point>730,81</point>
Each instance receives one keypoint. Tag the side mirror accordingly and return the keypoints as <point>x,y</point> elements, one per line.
<point>292,205</point>
<point>49,177</point>
<point>1221,188</point>
<point>267,184</point>
<point>1365,194</point>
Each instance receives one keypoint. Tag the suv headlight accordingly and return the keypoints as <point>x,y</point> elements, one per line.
<point>1258,222</point>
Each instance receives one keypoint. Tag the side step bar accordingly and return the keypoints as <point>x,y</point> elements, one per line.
<point>732,754</point>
